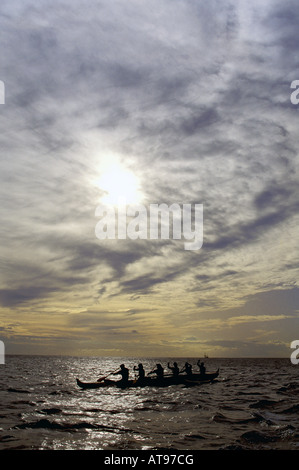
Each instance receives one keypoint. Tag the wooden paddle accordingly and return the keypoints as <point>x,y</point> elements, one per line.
<point>103,378</point>
<point>151,371</point>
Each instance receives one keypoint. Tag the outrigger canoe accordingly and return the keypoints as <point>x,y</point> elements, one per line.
<point>188,380</point>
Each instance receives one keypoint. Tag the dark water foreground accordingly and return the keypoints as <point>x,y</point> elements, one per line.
<point>253,405</point>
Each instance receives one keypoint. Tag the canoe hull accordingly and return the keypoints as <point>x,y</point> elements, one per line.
<point>184,379</point>
<point>194,379</point>
<point>85,385</point>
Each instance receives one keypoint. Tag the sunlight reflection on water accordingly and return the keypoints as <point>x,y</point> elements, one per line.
<point>46,410</point>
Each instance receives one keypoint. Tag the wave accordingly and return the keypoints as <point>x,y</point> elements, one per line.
<point>265,404</point>
<point>17,390</point>
<point>220,418</point>
<point>46,424</point>
<point>50,411</point>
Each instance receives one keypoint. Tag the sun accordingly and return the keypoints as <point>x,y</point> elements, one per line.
<point>119,185</point>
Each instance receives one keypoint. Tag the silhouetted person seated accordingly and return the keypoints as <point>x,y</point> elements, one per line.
<point>175,369</point>
<point>202,368</point>
<point>187,368</point>
<point>141,373</point>
<point>159,371</point>
<point>124,372</point>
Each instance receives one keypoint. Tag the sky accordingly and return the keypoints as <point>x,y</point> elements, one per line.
<point>173,102</point>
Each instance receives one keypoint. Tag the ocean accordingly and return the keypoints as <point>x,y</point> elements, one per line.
<point>252,405</point>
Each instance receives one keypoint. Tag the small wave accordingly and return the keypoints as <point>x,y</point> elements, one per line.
<point>46,424</point>
<point>50,411</point>
<point>102,410</point>
<point>256,437</point>
<point>17,390</point>
<point>265,404</point>
<point>279,434</point>
<point>220,418</point>
<point>7,437</point>
<point>23,402</point>
<point>292,409</point>
<point>42,423</point>
<point>234,447</point>
<point>146,408</point>
<point>289,389</point>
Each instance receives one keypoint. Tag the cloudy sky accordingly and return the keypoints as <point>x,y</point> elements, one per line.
<point>173,101</point>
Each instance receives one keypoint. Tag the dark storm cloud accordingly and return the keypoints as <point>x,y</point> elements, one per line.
<point>246,233</point>
<point>196,123</point>
<point>144,284</point>
<point>90,254</point>
<point>274,302</point>
<point>249,348</point>
<point>276,196</point>
<point>38,284</point>
<point>283,19</point>
<point>16,296</point>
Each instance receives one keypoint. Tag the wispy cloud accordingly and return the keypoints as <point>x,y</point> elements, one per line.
<point>194,98</point>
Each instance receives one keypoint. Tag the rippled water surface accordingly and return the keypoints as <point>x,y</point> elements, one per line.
<point>253,404</point>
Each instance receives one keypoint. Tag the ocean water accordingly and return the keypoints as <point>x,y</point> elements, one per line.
<point>252,405</point>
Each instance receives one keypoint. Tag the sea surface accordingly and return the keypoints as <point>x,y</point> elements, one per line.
<point>253,405</point>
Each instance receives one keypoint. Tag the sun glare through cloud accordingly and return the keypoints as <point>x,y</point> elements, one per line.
<point>119,185</point>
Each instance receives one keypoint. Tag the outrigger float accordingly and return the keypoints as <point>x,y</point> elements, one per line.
<point>187,380</point>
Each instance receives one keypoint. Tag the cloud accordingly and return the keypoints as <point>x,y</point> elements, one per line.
<point>194,97</point>
<point>12,297</point>
<point>251,318</point>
